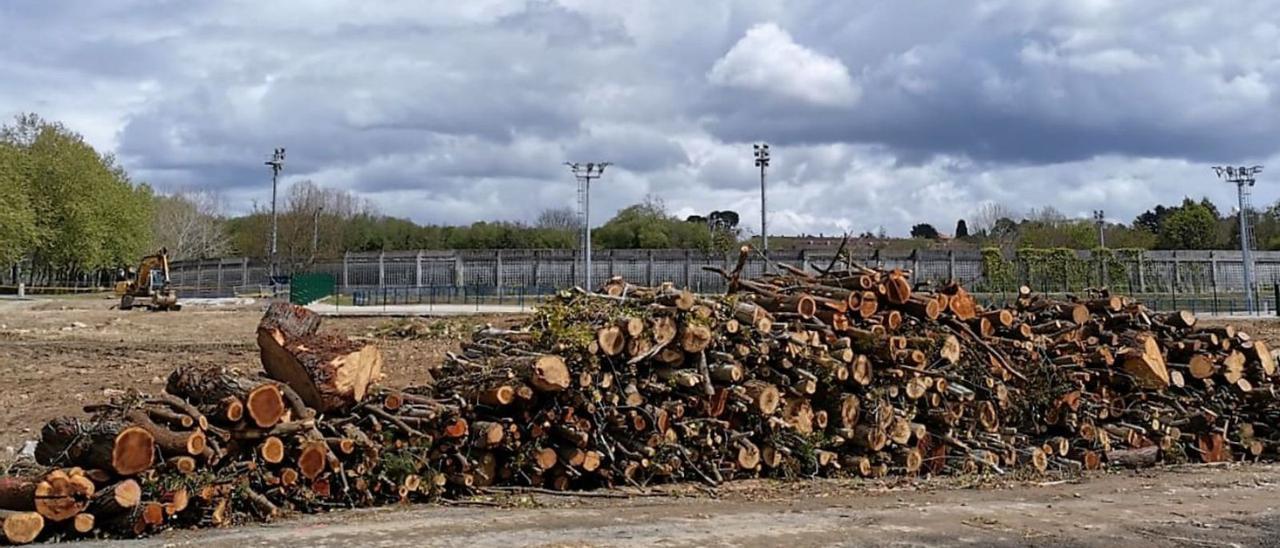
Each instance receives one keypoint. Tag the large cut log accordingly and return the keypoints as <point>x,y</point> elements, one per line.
<point>118,446</point>
<point>328,371</point>
<point>289,320</point>
<point>213,386</point>
<point>17,493</point>
<point>116,499</point>
<point>1146,363</point>
<point>543,373</point>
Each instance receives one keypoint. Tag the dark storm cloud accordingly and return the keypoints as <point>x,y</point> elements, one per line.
<point>437,109</point>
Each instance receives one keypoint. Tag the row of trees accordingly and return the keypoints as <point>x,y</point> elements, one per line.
<point>317,222</point>
<point>1190,224</point>
<point>65,209</point>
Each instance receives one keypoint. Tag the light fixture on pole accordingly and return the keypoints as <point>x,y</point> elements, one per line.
<point>762,162</point>
<point>1100,219</point>
<point>277,164</point>
<point>584,173</point>
<point>1244,178</point>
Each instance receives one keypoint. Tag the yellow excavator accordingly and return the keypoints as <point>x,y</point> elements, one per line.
<point>148,286</point>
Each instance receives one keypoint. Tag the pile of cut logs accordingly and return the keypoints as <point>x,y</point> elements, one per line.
<point>840,371</point>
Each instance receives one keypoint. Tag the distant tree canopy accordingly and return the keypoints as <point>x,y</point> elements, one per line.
<point>64,206</point>
<point>1191,225</point>
<point>70,212</point>
<point>648,225</point>
<point>924,230</point>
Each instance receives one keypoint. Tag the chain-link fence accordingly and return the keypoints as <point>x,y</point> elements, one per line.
<point>1205,281</point>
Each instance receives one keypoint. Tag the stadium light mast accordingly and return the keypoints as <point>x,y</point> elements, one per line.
<point>1100,219</point>
<point>1244,178</point>
<point>276,163</point>
<point>584,173</point>
<point>762,162</point>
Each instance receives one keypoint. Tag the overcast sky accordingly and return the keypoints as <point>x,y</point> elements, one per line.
<point>879,113</point>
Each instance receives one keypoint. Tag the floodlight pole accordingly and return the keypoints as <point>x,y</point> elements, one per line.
<point>584,173</point>
<point>1244,178</point>
<point>1100,218</point>
<point>762,162</point>
<point>276,163</point>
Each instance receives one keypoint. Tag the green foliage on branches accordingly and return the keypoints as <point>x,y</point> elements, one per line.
<point>648,226</point>
<point>1191,226</point>
<point>18,228</point>
<point>924,230</point>
<point>1057,269</point>
<point>87,213</point>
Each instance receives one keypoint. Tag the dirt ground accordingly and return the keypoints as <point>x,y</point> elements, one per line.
<point>57,355</point>
<point>1193,506</point>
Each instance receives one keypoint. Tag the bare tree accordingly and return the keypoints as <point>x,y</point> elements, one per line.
<point>988,213</point>
<point>190,225</point>
<point>560,218</point>
<point>312,219</point>
<point>1048,215</point>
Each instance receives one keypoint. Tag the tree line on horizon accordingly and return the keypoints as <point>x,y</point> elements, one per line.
<point>66,209</point>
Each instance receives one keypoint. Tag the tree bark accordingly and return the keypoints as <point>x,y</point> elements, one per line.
<point>117,446</point>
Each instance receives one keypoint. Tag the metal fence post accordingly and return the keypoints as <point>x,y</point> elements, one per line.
<point>382,271</point>
<point>915,265</point>
<point>688,268</point>
<point>497,273</point>
<point>537,269</point>
<point>417,270</point>
<point>459,271</point>
<point>345,274</point>
<point>1142,275</point>
<point>219,289</point>
<point>951,265</point>
<point>649,270</point>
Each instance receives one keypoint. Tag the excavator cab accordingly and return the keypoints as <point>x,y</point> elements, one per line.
<point>148,286</point>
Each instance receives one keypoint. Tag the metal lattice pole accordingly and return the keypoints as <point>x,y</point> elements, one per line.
<point>1244,178</point>
<point>584,173</point>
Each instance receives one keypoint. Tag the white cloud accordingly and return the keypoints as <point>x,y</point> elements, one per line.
<point>878,113</point>
<point>767,59</point>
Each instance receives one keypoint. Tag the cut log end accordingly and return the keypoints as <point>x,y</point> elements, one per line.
<point>265,405</point>
<point>312,460</point>
<point>272,450</point>
<point>21,527</point>
<point>134,451</point>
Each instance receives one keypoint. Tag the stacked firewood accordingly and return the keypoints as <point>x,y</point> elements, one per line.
<point>844,371</point>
